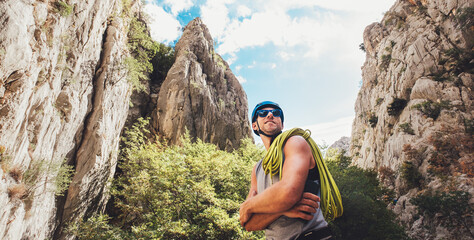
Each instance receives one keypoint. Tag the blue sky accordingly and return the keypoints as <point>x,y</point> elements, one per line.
<point>303,54</point>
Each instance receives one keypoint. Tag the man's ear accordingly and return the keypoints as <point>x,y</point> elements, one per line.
<point>254,125</point>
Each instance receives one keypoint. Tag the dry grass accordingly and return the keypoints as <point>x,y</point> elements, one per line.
<point>17,191</point>
<point>16,173</point>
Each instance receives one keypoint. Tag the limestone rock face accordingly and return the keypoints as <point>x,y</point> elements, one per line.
<point>416,102</point>
<point>343,145</point>
<point>201,94</point>
<point>63,100</point>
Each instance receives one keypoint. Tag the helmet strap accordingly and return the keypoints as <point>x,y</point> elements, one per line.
<point>272,137</point>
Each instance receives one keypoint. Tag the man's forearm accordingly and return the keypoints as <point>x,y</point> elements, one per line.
<point>278,198</point>
<point>260,221</point>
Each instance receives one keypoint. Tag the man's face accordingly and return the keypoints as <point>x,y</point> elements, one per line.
<point>270,124</point>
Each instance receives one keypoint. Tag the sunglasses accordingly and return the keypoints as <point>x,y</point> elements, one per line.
<point>264,113</point>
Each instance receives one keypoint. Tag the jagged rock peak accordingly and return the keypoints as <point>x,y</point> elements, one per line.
<point>201,94</point>
<point>342,145</point>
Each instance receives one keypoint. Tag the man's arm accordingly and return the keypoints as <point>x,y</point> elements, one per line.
<point>284,194</point>
<point>303,210</point>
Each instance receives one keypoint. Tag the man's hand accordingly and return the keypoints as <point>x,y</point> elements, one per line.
<point>244,213</point>
<point>305,207</point>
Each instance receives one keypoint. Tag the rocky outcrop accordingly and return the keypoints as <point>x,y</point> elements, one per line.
<point>415,105</point>
<point>201,94</point>
<point>63,101</point>
<point>342,145</point>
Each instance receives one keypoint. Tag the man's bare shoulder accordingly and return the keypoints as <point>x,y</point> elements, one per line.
<point>296,143</point>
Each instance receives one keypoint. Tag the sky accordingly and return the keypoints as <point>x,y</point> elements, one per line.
<point>302,54</point>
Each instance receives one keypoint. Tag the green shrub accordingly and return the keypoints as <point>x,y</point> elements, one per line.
<point>452,208</point>
<point>432,109</point>
<point>63,8</point>
<point>373,120</point>
<point>58,174</point>
<point>411,175</point>
<point>145,55</point>
<point>378,101</point>
<point>190,191</point>
<point>469,126</point>
<point>96,227</point>
<point>365,204</point>
<point>406,127</point>
<point>386,58</point>
<point>396,107</point>
<point>465,17</point>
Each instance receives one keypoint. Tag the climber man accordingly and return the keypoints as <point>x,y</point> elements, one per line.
<point>282,206</point>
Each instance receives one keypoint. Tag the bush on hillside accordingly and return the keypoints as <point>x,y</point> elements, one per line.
<point>365,204</point>
<point>451,208</point>
<point>190,191</point>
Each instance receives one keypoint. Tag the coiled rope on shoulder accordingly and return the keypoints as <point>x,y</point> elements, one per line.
<point>331,202</point>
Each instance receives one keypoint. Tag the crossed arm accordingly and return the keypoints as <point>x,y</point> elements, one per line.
<point>284,197</point>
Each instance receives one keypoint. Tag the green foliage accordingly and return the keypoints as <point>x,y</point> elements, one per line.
<point>378,101</point>
<point>396,107</point>
<point>432,109</point>
<point>337,157</point>
<point>63,8</point>
<point>59,174</point>
<point>410,174</point>
<point>406,127</point>
<point>373,119</point>
<point>365,213</point>
<point>190,191</point>
<point>460,60</point>
<point>386,58</point>
<point>96,227</point>
<point>145,52</point>
<point>63,178</point>
<point>452,208</point>
<point>465,17</point>
<point>219,61</point>
<point>469,126</point>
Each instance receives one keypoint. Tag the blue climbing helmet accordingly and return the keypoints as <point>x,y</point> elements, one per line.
<point>265,104</point>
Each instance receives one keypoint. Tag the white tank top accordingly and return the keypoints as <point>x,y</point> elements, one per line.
<point>284,227</point>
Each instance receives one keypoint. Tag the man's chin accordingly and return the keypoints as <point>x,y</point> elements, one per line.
<point>273,131</point>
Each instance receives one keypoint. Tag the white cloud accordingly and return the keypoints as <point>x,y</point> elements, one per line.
<point>215,15</point>
<point>243,11</point>
<point>241,79</point>
<point>324,31</point>
<point>361,6</point>
<point>285,55</point>
<point>330,132</point>
<point>178,5</point>
<point>163,26</point>
<point>237,68</point>
<point>253,65</point>
<point>274,25</point>
<point>274,66</point>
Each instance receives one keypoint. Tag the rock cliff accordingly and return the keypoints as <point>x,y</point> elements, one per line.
<point>201,94</point>
<point>64,99</point>
<point>414,111</point>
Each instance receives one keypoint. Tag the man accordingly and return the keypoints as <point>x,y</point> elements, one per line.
<point>279,205</point>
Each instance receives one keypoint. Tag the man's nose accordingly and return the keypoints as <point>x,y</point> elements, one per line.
<point>270,114</point>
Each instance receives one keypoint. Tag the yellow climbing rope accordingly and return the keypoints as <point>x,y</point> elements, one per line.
<point>331,202</point>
